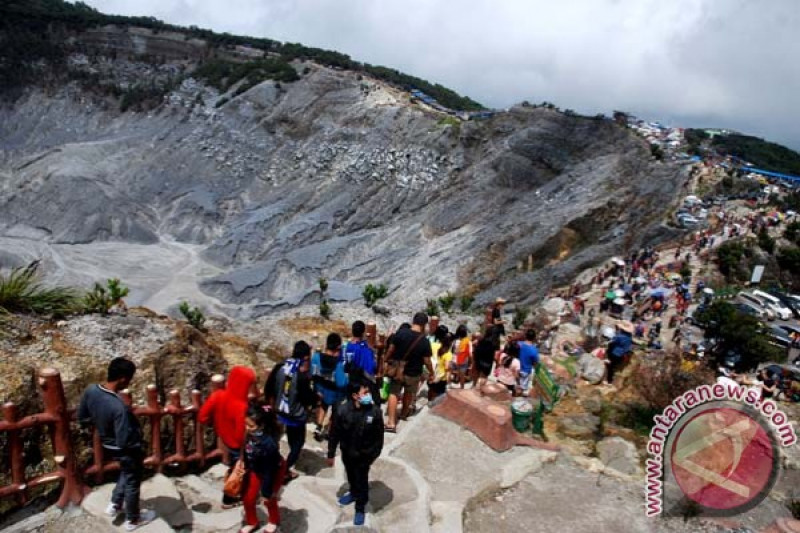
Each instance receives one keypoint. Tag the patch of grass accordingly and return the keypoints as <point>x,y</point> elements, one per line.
<point>21,291</point>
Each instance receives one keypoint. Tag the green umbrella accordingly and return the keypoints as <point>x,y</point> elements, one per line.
<point>610,295</point>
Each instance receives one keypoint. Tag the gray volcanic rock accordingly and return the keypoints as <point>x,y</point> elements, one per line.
<point>333,175</point>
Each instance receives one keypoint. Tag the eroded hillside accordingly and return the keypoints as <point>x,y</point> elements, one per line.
<point>243,198</point>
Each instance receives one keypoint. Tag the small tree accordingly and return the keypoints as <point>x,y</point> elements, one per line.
<point>325,309</point>
<point>465,302</point>
<point>520,316</point>
<point>432,308</point>
<point>446,302</point>
<point>194,316</point>
<point>103,299</point>
<point>373,293</point>
<point>765,242</point>
<point>324,306</point>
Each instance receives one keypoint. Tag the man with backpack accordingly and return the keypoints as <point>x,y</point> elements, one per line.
<point>330,379</point>
<point>288,390</point>
<point>358,356</point>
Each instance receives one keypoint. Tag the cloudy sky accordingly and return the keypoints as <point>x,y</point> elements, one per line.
<point>727,63</point>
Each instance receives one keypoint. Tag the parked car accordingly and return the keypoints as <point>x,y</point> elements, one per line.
<point>756,302</point>
<point>777,335</point>
<point>773,304</point>
<point>789,329</point>
<point>688,221</point>
<point>750,309</point>
<point>791,303</point>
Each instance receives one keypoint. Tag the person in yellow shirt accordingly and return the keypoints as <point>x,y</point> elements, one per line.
<point>441,359</point>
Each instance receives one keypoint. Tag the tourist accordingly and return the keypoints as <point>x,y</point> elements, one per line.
<point>497,319</point>
<point>484,357</point>
<point>407,354</point>
<point>288,390</point>
<point>442,358</point>
<point>769,384</point>
<point>227,408</point>
<point>528,359</point>
<point>356,427</point>
<point>330,379</point>
<point>358,356</point>
<point>121,438</point>
<point>508,365</point>
<point>264,466</point>
<point>618,348</point>
<point>462,354</point>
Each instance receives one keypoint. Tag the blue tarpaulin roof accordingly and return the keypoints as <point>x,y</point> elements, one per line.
<point>772,174</point>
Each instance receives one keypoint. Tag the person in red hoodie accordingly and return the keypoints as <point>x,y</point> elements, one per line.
<point>226,408</point>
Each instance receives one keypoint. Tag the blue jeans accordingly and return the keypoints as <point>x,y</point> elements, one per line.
<point>131,469</point>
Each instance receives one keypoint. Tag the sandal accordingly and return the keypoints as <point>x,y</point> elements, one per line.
<point>291,475</point>
<point>271,528</point>
<point>389,429</point>
<point>248,529</point>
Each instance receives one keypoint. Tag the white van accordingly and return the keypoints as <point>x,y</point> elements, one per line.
<point>771,302</point>
<point>756,302</point>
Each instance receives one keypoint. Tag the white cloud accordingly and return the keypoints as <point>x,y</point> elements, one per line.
<point>729,63</point>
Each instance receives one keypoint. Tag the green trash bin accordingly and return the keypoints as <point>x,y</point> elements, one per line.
<point>521,412</point>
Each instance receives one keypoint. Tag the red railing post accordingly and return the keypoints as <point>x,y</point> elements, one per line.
<point>154,415</point>
<point>199,441</point>
<point>372,334</point>
<point>176,411</point>
<point>16,451</point>
<point>99,457</point>
<point>433,324</point>
<point>55,404</point>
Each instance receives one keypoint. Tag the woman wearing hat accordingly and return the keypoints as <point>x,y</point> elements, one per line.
<point>618,348</point>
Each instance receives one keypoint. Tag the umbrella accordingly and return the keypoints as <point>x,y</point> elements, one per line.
<point>618,261</point>
<point>610,295</point>
<point>619,293</point>
<point>640,279</point>
<point>619,301</point>
<point>661,291</point>
<point>708,290</point>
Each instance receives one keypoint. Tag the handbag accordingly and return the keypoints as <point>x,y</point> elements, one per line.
<point>234,479</point>
<point>396,369</point>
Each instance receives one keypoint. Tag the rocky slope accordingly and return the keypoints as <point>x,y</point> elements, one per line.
<point>242,201</point>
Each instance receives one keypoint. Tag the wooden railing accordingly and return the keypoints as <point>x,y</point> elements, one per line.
<point>58,420</point>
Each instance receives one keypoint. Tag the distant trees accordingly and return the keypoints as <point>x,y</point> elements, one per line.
<point>761,153</point>
<point>28,26</point>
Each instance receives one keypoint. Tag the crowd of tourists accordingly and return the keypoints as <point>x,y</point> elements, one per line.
<point>340,388</point>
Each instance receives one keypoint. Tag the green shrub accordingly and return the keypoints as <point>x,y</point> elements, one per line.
<point>102,299</point>
<point>446,302</point>
<point>325,309</point>
<point>194,316</point>
<point>21,291</point>
<point>765,242</point>
<point>520,316</point>
<point>373,293</point>
<point>323,285</point>
<point>465,302</point>
<point>792,232</point>
<point>432,308</point>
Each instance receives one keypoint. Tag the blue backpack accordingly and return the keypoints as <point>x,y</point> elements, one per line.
<point>358,355</point>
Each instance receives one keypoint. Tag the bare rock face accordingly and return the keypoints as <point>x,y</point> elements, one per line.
<point>244,206</point>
